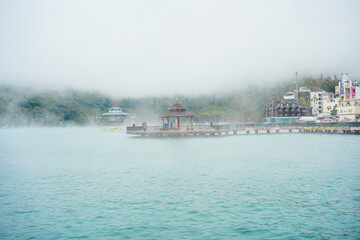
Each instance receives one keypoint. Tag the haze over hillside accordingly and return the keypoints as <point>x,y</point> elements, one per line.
<point>141,48</point>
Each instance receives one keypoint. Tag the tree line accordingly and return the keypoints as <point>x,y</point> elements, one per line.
<point>23,107</point>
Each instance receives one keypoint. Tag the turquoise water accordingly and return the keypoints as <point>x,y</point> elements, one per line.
<point>84,183</point>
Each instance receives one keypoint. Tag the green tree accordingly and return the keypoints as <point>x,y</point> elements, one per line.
<point>334,111</point>
<point>303,100</point>
<point>314,99</point>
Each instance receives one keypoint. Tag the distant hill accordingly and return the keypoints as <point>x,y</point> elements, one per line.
<point>29,107</point>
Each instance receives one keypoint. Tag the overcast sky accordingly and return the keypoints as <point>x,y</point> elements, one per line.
<point>136,48</point>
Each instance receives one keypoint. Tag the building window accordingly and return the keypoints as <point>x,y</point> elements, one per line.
<point>350,110</point>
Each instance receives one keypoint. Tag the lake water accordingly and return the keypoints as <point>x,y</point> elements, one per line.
<point>84,183</point>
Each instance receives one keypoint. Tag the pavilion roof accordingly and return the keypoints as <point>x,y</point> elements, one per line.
<point>178,114</point>
<point>177,110</point>
<point>177,106</point>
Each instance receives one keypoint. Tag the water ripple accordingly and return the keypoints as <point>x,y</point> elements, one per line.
<point>83,183</point>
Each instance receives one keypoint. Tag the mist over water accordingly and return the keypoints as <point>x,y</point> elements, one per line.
<point>84,183</point>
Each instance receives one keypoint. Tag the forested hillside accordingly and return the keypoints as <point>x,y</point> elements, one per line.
<point>29,107</point>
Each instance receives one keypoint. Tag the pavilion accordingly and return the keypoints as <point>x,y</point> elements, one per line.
<point>178,111</point>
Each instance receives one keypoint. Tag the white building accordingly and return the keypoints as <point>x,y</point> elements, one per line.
<point>289,95</point>
<point>349,109</point>
<point>316,100</point>
<point>348,93</point>
<point>329,102</point>
<point>347,89</point>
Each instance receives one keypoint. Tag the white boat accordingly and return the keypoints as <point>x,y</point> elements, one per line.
<point>115,116</point>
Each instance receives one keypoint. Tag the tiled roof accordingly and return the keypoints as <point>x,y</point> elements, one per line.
<point>177,110</point>
<point>178,114</point>
<point>177,106</point>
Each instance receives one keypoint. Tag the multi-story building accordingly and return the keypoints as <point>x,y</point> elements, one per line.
<point>316,100</point>
<point>346,89</point>
<point>285,111</point>
<point>348,95</point>
<point>304,93</point>
<point>330,102</point>
<point>349,109</point>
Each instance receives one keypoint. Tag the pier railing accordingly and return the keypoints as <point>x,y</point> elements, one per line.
<point>303,125</point>
<point>237,128</point>
<point>168,128</point>
<point>196,127</point>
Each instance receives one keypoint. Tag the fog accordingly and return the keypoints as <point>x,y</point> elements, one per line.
<point>137,48</point>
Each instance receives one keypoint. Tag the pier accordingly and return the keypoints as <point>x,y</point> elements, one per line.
<point>246,129</point>
<point>177,111</point>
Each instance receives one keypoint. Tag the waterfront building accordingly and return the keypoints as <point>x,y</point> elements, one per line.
<point>347,89</point>
<point>349,109</point>
<point>330,102</point>
<point>177,111</point>
<point>316,101</point>
<point>304,93</point>
<point>285,111</point>
<point>326,117</point>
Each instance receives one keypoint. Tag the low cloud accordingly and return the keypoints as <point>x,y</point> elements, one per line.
<point>128,48</point>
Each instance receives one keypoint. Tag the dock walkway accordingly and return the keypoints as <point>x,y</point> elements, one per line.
<point>247,129</point>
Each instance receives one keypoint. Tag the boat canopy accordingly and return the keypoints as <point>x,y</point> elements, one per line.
<point>115,112</point>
